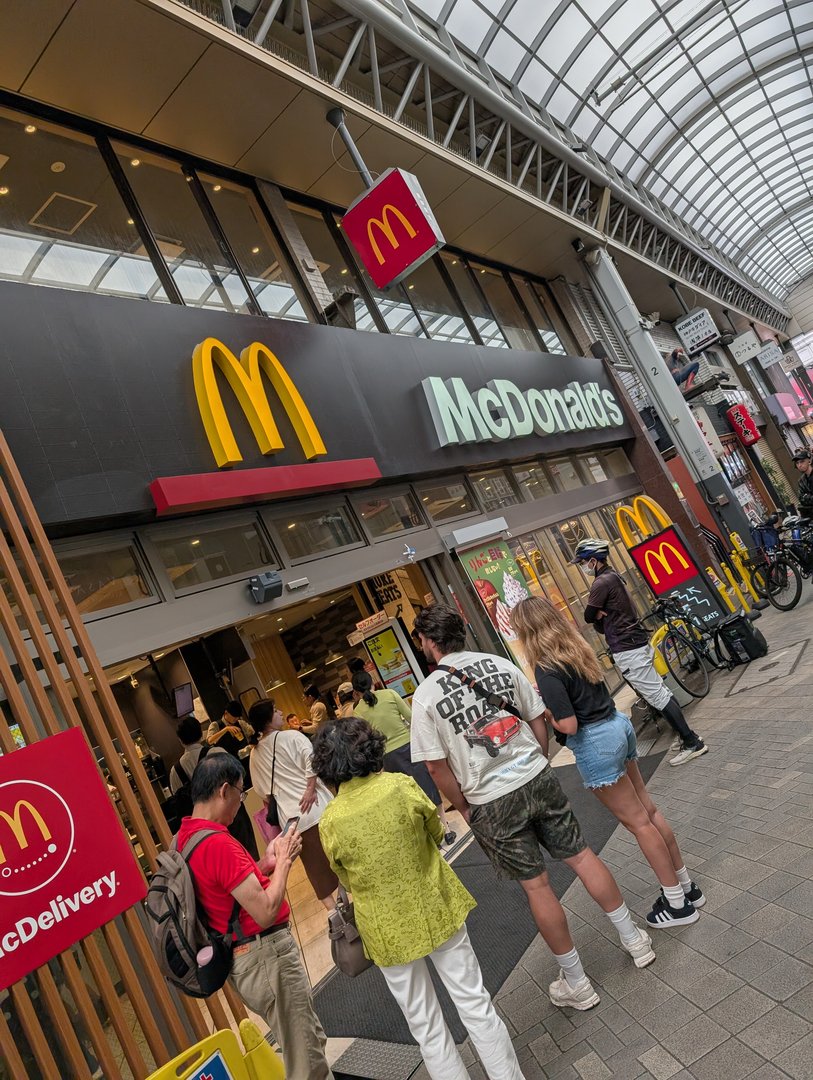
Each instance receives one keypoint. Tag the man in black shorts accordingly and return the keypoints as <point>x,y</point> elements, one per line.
<point>489,758</point>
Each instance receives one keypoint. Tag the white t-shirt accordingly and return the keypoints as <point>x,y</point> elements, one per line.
<point>489,751</point>
<point>291,774</point>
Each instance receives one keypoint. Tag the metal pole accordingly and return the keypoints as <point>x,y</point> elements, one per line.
<point>335,117</point>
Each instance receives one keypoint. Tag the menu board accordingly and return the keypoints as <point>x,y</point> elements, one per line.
<point>392,663</point>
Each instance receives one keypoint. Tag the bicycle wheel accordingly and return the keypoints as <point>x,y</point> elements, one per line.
<point>685,663</point>
<point>784,584</point>
<point>759,580</point>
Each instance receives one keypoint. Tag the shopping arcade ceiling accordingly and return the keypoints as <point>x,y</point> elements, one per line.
<point>707,105</point>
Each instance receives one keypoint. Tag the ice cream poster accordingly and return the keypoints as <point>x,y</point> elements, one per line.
<point>500,586</point>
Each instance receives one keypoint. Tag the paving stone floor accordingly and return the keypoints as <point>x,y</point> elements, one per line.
<point>732,995</point>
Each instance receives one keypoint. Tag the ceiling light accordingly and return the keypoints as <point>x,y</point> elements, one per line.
<point>133,682</point>
<point>412,286</point>
<point>3,190</point>
<point>275,685</point>
<point>292,525</point>
<point>58,166</point>
<point>217,187</point>
<point>305,671</point>
<point>194,542</point>
<point>135,162</point>
<point>130,221</point>
<point>334,658</point>
<point>158,655</point>
<point>345,270</point>
<point>454,262</point>
<point>255,251</point>
<point>30,129</point>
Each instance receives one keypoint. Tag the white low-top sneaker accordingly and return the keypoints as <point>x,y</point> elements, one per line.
<point>688,753</point>
<point>641,950</point>
<point>581,997</point>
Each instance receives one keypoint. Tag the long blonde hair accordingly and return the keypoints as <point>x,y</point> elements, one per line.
<point>550,639</point>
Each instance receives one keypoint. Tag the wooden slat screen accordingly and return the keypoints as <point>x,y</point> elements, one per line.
<point>102,1005</point>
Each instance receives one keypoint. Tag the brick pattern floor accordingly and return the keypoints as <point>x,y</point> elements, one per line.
<point>732,995</point>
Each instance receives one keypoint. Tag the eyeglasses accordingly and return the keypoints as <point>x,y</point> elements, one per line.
<point>243,794</point>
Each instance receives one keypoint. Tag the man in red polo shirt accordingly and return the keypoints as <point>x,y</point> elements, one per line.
<point>267,972</point>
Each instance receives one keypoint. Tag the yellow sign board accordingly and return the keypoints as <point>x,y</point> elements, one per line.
<point>645,516</point>
<point>245,377</point>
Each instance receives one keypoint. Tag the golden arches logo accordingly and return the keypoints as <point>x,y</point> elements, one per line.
<point>14,820</point>
<point>245,377</point>
<point>645,516</point>
<point>384,226</point>
<point>660,557</point>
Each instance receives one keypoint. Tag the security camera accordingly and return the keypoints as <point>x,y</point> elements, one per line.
<point>647,322</point>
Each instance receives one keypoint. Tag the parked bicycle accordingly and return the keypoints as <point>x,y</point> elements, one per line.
<point>783,557</point>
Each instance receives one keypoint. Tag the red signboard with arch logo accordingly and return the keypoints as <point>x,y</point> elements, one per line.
<point>66,865</point>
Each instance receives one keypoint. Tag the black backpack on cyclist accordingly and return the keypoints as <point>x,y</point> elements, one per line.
<point>737,641</point>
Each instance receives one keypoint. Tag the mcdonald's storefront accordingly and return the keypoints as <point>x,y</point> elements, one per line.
<point>174,454</point>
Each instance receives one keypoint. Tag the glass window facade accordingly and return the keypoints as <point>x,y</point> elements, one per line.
<point>201,270</point>
<point>390,515</point>
<point>505,308</point>
<point>307,533</point>
<point>533,481</point>
<point>565,474</point>
<point>439,312</point>
<point>208,555</point>
<point>105,579</point>
<point>494,490</point>
<point>446,501</point>
<point>62,220</point>
<point>474,302</point>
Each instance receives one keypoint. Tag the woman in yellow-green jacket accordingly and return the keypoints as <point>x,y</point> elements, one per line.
<point>381,835</point>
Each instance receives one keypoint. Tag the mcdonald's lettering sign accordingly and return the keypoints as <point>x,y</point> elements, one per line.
<point>66,866</point>
<point>664,561</point>
<point>392,228</point>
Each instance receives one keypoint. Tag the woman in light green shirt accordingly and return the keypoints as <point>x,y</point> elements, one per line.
<point>381,835</point>
<point>388,713</point>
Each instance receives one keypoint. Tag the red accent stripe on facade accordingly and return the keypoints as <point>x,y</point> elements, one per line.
<point>202,491</point>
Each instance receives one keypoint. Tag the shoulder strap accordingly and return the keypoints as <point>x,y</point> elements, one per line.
<point>273,761</point>
<point>189,848</point>
<point>496,700</point>
<point>195,841</point>
<point>181,774</point>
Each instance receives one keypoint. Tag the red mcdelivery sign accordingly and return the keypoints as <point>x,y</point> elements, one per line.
<point>664,561</point>
<point>392,227</point>
<point>743,424</point>
<point>66,866</point>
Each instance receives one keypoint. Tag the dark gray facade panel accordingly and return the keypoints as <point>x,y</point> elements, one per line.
<point>97,398</point>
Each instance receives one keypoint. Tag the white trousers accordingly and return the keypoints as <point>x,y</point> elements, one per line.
<point>457,966</point>
<point>638,668</point>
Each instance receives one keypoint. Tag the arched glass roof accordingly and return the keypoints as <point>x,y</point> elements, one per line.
<point>708,104</point>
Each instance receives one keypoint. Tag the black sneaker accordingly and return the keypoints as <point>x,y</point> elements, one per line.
<point>662,916</point>
<point>695,896</point>
<point>450,837</point>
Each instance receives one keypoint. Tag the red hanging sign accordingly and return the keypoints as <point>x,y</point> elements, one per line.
<point>392,228</point>
<point>66,866</point>
<point>743,425</point>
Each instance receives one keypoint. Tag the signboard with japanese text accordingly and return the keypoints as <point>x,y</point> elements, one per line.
<point>66,865</point>
<point>770,353</point>
<point>392,228</point>
<point>697,330</point>
<point>670,571</point>
<point>744,346</point>
<point>391,662</point>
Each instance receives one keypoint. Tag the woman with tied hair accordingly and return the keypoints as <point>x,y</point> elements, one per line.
<point>387,712</point>
<point>381,835</point>
<point>571,683</point>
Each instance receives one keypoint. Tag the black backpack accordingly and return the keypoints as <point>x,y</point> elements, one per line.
<point>179,928</point>
<point>179,805</point>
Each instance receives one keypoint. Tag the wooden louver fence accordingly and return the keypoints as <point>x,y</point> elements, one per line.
<point>101,1007</point>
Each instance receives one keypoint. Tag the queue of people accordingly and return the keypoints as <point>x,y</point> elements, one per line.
<point>364,796</point>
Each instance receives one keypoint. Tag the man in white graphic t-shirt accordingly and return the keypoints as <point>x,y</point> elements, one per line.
<point>480,727</point>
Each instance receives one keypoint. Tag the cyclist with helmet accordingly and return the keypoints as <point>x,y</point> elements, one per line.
<point>804,465</point>
<point>611,611</point>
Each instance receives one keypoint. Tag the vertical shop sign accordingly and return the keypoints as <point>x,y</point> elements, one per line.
<point>670,571</point>
<point>743,425</point>
<point>392,662</point>
<point>66,866</point>
<point>697,330</point>
<point>392,228</point>
<point>495,575</point>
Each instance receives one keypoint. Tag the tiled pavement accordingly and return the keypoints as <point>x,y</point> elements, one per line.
<point>732,995</point>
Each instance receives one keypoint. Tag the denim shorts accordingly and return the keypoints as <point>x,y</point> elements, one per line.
<point>602,750</point>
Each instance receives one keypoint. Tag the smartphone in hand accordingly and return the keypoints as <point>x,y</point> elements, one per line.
<point>291,823</point>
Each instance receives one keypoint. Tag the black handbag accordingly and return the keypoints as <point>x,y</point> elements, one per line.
<point>272,812</point>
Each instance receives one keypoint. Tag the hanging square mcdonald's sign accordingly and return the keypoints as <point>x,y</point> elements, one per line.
<point>664,561</point>
<point>66,866</point>
<point>392,228</point>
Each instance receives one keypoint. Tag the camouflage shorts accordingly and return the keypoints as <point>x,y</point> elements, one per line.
<point>513,829</point>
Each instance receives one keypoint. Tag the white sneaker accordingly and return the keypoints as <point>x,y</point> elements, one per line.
<point>689,752</point>
<point>641,950</point>
<point>676,745</point>
<point>581,997</point>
